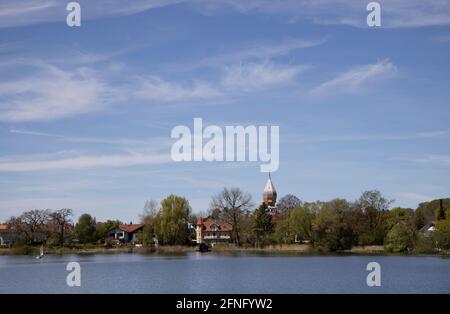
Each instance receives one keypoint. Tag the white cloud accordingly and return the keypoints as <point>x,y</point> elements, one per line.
<point>250,76</point>
<point>258,52</point>
<point>412,196</point>
<point>47,92</point>
<point>433,159</point>
<point>368,137</point>
<point>352,81</point>
<point>28,12</point>
<point>35,163</point>
<point>395,13</point>
<point>153,88</point>
<point>154,143</point>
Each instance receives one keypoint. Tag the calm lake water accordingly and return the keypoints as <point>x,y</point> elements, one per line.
<point>218,273</point>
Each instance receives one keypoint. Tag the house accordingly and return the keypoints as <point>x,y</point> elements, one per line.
<point>126,233</point>
<point>211,231</point>
<point>6,234</point>
<point>429,228</point>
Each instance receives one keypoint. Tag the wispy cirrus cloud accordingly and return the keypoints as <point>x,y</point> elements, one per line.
<point>153,88</point>
<point>395,13</point>
<point>28,12</point>
<point>352,80</point>
<point>413,196</point>
<point>298,138</point>
<point>436,159</point>
<point>44,92</point>
<point>154,143</point>
<point>51,162</point>
<point>251,76</point>
<point>258,52</point>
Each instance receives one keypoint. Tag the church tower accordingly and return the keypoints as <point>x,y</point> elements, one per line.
<point>270,195</point>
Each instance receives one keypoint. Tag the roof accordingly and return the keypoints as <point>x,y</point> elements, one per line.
<point>269,188</point>
<point>131,227</point>
<point>428,227</point>
<point>208,225</point>
<point>3,227</point>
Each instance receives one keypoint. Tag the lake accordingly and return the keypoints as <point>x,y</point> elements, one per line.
<point>223,273</point>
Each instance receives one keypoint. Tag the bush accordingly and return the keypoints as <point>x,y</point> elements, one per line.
<point>399,239</point>
<point>442,234</point>
<point>24,250</point>
<point>424,244</point>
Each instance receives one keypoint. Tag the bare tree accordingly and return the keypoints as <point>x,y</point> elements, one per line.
<point>15,232</point>
<point>31,223</point>
<point>232,204</point>
<point>375,200</point>
<point>61,219</point>
<point>151,208</point>
<point>288,202</point>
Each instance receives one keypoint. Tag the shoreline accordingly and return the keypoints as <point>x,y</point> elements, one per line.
<point>299,249</point>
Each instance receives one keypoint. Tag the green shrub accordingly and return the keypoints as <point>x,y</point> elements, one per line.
<point>399,239</point>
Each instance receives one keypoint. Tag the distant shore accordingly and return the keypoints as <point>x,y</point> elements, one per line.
<point>303,249</point>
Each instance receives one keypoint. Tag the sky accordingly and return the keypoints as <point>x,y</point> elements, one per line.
<point>86,112</point>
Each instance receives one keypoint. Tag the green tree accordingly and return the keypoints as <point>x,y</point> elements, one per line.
<point>262,224</point>
<point>399,214</point>
<point>441,211</point>
<point>442,234</point>
<point>333,226</point>
<point>86,228</point>
<point>283,230</point>
<point>171,221</point>
<point>431,209</point>
<point>103,228</point>
<point>301,224</point>
<point>400,238</point>
<point>371,218</point>
<point>294,225</point>
<point>419,219</point>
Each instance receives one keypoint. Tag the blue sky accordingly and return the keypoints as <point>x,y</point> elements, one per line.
<point>86,113</point>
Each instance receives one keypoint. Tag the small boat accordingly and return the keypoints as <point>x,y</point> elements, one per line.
<point>41,253</point>
<point>203,247</point>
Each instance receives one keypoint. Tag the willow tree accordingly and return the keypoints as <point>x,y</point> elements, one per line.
<point>170,223</point>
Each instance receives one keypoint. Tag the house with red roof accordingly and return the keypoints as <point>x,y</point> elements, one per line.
<point>6,234</point>
<point>126,233</point>
<point>212,231</point>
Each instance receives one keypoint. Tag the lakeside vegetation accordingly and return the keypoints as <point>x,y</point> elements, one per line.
<point>364,226</point>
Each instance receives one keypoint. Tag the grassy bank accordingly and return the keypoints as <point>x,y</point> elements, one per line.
<point>93,249</point>
<point>306,249</point>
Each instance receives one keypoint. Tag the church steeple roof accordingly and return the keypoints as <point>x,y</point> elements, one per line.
<point>269,193</point>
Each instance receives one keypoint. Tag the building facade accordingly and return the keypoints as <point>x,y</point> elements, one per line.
<point>6,235</point>
<point>211,231</point>
<point>126,233</point>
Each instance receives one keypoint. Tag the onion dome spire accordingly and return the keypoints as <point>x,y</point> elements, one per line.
<point>269,194</point>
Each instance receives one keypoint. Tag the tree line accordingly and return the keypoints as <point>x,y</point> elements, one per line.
<point>334,225</point>
<point>330,226</point>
